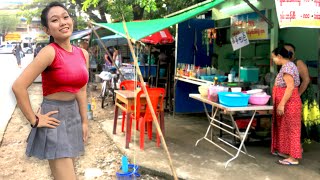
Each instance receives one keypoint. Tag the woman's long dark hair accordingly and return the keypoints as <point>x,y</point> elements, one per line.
<point>283,52</point>
<point>44,15</point>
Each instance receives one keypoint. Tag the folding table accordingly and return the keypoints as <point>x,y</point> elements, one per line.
<point>227,110</point>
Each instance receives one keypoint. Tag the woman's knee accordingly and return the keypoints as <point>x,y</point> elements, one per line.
<point>62,169</point>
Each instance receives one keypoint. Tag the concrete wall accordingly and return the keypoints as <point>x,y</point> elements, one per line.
<point>305,40</point>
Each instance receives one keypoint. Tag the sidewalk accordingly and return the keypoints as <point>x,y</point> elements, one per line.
<point>207,161</point>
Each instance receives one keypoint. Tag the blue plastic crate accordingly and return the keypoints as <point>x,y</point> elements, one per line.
<point>233,99</point>
<point>249,74</point>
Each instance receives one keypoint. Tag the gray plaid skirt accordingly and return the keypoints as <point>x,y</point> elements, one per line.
<point>63,141</point>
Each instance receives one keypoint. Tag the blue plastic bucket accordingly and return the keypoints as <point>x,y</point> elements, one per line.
<point>131,174</point>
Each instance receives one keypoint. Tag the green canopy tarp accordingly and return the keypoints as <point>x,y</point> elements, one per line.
<point>140,29</point>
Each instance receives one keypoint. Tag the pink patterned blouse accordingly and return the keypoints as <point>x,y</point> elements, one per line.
<point>291,69</point>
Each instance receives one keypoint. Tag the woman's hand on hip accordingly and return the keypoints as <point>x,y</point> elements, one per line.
<point>45,120</point>
<point>280,110</point>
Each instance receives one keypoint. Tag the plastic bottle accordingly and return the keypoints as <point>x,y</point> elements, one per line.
<point>233,72</point>
<point>215,81</point>
<point>89,112</point>
<point>93,103</point>
<point>208,71</point>
<point>124,161</point>
<point>198,72</point>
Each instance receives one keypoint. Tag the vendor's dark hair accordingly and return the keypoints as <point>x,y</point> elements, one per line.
<point>291,45</point>
<point>44,15</point>
<point>283,52</point>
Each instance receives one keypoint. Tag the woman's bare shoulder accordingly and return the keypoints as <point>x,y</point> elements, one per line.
<point>46,54</point>
<point>300,63</point>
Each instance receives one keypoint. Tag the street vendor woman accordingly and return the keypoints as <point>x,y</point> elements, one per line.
<point>286,123</point>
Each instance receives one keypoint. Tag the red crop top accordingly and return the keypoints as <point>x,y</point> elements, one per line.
<point>67,72</point>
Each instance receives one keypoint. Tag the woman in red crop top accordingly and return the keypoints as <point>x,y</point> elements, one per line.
<point>60,127</point>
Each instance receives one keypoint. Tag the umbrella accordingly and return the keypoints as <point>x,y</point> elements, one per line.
<point>80,34</point>
<point>161,37</point>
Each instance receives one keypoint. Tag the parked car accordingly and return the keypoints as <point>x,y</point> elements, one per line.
<point>7,48</point>
<point>27,50</point>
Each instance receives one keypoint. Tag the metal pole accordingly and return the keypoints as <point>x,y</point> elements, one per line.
<point>239,67</point>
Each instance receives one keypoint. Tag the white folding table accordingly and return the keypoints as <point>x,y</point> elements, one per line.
<point>227,110</point>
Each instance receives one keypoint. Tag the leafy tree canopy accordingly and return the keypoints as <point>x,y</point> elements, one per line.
<point>134,9</point>
<point>8,22</point>
<point>97,10</point>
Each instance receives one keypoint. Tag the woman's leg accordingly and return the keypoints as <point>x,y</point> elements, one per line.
<point>18,61</point>
<point>62,169</point>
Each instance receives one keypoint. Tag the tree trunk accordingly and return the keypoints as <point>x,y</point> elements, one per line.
<point>137,12</point>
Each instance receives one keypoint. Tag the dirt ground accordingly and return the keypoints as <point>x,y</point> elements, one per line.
<point>101,155</point>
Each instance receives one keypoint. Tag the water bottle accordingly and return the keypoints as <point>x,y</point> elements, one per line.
<point>198,72</point>
<point>233,72</point>
<point>93,103</point>
<point>124,161</point>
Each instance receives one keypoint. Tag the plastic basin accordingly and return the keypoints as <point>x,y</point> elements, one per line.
<point>259,100</point>
<point>233,99</point>
<point>203,90</point>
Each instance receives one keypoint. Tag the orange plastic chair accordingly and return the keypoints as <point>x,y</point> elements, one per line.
<point>128,85</point>
<point>156,96</point>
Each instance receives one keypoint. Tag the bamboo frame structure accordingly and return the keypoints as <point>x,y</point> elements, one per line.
<point>154,117</point>
<point>104,47</point>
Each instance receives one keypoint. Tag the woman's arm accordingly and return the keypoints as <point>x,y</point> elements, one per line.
<point>304,74</point>
<point>106,59</point>
<point>81,98</point>
<point>20,86</point>
<point>287,94</point>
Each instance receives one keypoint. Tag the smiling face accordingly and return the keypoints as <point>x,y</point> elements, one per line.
<point>60,24</point>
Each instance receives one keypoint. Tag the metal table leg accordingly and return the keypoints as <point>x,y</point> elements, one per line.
<point>241,138</point>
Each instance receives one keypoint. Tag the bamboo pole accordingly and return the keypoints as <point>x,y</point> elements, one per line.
<point>104,47</point>
<point>154,117</point>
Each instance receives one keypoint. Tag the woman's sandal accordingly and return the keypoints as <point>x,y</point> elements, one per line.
<point>288,163</point>
<point>280,155</point>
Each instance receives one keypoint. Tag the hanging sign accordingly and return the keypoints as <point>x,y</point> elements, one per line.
<point>251,23</point>
<point>239,41</point>
<point>298,13</point>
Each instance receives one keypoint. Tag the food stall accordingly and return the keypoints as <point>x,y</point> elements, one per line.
<point>228,108</point>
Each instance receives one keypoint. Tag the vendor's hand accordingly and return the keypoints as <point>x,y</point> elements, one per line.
<point>85,132</point>
<point>280,110</point>
<point>45,120</point>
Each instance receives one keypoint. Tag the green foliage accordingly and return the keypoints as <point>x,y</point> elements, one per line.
<point>132,9</point>
<point>8,22</point>
<point>32,10</point>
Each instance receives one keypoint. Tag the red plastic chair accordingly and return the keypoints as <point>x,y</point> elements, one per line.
<point>128,85</point>
<point>156,96</point>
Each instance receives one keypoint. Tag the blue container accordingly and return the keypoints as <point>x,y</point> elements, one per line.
<point>144,70</point>
<point>249,74</point>
<point>131,174</point>
<point>233,99</point>
<point>210,78</point>
<point>162,72</point>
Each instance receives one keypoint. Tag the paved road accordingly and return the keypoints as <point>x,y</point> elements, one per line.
<point>9,71</point>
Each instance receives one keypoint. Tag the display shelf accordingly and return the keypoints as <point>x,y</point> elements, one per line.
<point>192,80</point>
